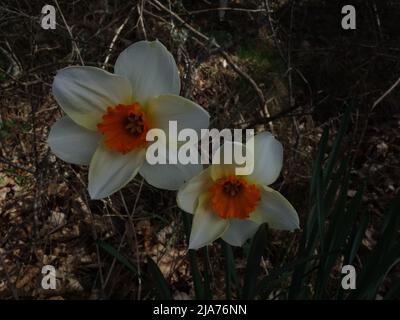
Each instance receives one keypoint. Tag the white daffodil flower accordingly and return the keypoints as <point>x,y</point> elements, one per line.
<point>108,116</point>
<point>233,206</point>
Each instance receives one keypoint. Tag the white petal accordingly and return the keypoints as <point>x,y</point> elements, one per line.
<point>239,231</point>
<point>150,68</point>
<point>206,225</point>
<point>110,171</point>
<point>224,162</point>
<point>84,93</point>
<point>187,114</point>
<point>268,158</point>
<point>275,210</point>
<point>169,176</point>
<point>189,193</point>
<point>71,142</point>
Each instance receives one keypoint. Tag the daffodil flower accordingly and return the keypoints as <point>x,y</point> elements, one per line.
<point>233,206</point>
<point>108,116</point>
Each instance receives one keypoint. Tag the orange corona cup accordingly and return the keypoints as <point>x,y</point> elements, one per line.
<point>231,206</point>
<point>124,127</point>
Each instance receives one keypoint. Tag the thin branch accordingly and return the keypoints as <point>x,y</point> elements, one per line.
<point>16,165</point>
<point>123,235</point>
<point>221,9</point>
<point>132,224</point>
<point>92,218</point>
<point>74,44</point>
<point>222,52</point>
<point>116,36</point>
<point>141,21</point>
<point>386,94</point>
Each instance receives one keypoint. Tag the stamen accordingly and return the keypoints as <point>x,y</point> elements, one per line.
<point>232,188</point>
<point>124,127</point>
<point>135,124</point>
<point>234,197</point>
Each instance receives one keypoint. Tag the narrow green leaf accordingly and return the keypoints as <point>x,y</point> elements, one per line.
<point>341,223</point>
<point>207,280</point>
<point>394,291</point>
<point>336,183</point>
<point>313,224</point>
<point>317,166</point>
<point>382,257</point>
<point>162,287</point>
<point>277,275</point>
<point>198,285</point>
<point>357,239</point>
<point>333,156</point>
<point>253,263</point>
<point>230,274</point>
<point>114,252</point>
<point>320,213</point>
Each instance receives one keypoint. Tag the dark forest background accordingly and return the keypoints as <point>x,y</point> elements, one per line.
<point>285,66</point>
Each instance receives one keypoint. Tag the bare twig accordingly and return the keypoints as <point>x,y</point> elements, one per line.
<point>94,232</point>
<point>16,165</point>
<point>116,35</point>
<point>223,53</point>
<point>131,215</point>
<point>378,101</point>
<point>141,20</point>
<point>74,44</point>
<point>132,224</point>
<point>15,67</point>
<point>290,79</point>
<point>283,113</point>
<point>274,36</point>
<point>222,9</point>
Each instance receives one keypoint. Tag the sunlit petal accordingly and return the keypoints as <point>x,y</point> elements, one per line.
<point>268,158</point>
<point>276,210</point>
<point>71,142</point>
<point>150,68</point>
<point>189,193</point>
<point>206,225</point>
<point>84,93</point>
<point>239,231</point>
<point>110,171</point>
<point>187,114</point>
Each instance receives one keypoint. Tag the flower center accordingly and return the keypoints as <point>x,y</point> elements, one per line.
<point>234,197</point>
<point>124,127</point>
<point>232,188</point>
<point>135,124</point>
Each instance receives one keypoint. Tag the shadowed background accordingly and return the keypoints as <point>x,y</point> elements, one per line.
<point>283,66</point>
